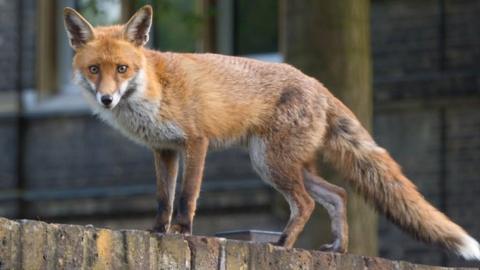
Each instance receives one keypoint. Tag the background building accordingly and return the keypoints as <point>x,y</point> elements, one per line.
<point>60,164</point>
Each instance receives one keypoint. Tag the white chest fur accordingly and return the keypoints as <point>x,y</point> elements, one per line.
<point>140,121</point>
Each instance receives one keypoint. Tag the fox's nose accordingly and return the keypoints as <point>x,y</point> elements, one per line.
<point>106,99</point>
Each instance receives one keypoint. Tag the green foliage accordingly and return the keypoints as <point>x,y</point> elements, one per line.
<point>177,24</point>
<point>101,12</point>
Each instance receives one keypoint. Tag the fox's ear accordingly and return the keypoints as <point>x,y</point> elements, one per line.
<point>79,31</point>
<point>137,28</point>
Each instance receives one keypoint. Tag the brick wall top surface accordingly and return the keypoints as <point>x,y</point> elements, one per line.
<point>27,244</point>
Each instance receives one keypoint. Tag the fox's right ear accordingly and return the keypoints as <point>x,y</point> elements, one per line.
<point>79,31</point>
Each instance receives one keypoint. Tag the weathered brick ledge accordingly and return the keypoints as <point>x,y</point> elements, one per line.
<point>28,244</point>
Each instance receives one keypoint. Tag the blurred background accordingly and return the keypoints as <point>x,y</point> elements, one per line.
<point>409,69</point>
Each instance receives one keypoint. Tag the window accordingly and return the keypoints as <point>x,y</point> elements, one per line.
<point>255,28</point>
<point>248,28</point>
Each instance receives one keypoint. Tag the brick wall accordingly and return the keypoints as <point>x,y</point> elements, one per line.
<point>427,93</point>
<point>10,32</point>
<point>29,39</point>
<point>8,44</point>
<point>420,51</point>
<point>36,245</point>
<point>462,202</point>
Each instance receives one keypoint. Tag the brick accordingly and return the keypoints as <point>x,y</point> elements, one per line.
<point>110,249</point>
<point>8,44</point>
<point>236,255</point>
<point>259,255</point>
<point>9,244</point>
<point>8,144</point>
<point>323,260</point>
<point>68,242</point>
<point>137,249</point>
<point>406,266</point>
<point>153,261</point>
<point>80,149</point>
<point>267,256</point>
<point>34,248</point>
<point>373,263</point>
<point>349,261</point>
<point>171,252</point>
<point>205,252</point>
<point>89,253</point>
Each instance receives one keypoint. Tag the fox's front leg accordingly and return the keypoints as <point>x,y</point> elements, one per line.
<point>166,169</point>
<point>194,161</point>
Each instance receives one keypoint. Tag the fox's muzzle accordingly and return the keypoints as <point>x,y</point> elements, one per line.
<point>108,101</point>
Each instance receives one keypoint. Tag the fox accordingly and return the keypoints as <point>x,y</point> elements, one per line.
<point>180,105</point>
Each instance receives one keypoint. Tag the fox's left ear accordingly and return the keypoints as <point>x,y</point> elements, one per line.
<point>137,28</point>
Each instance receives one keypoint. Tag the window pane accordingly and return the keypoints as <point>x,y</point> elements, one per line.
<point>255,26</point>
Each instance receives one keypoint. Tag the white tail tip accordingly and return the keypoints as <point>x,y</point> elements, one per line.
<point>470,249</point>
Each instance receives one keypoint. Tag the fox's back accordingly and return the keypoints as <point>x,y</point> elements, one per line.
<point>251,75</point>
<point>248,90</point>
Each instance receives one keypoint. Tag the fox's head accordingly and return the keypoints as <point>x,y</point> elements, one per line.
<point>108,61</point>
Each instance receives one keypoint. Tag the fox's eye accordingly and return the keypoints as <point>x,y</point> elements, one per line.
<point>93,69</point>
<point>122,68</point>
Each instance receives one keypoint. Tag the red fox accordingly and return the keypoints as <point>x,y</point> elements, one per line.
<point>179,105</point>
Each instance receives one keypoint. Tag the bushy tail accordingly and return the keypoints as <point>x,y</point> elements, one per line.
<point>376,176</point>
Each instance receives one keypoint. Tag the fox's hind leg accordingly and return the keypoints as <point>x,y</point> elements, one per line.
<point>277,169</point>
<point>334,199</point>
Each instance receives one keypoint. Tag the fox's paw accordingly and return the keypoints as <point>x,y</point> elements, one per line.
<point>162,229</point>
<point>180,229</point>
<point>280,242</point>
<point>334,247</point>
<point>276,243</point>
